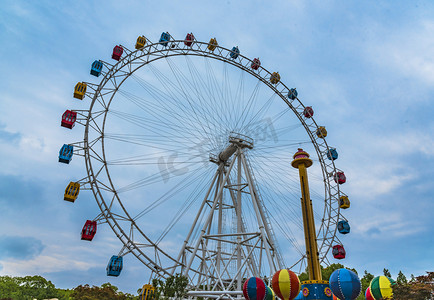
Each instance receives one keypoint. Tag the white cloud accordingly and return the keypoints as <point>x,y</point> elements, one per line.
<point>407,51</point>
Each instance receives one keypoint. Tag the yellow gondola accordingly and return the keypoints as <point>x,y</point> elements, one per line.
<point>71,191</point>
<point>80,90</point>
<point>212,44</point>
<point>147,292</point>
<point>344,202</point>
<point>275,78</point>
<point>321,132</point>
<point>141,42</point>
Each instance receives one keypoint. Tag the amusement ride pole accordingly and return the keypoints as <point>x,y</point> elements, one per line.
<point>302,162</point>
<point>315,288</point>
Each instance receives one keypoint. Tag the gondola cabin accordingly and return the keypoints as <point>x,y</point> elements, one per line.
<point>234,52</point>
<point>343,227</point>
<point>65,153</point>
<point>117,52</point>
<point>189,39</point>
<point>80,90</point>
<point>256,63</point>
<point>344,202</point>
<point>338,252</point>
<point>89,230</point>
<point>308,112</point>
<point>141,42</point>
<point>212,44</point>
<point>339,177</point>
<point>147,292</point>
<point>114,266</point>
<point>321,132</point>
<point>332,154</point>
<point>292,94</point>
<point>96,68</point>
<point>165,38</point>
<point>275,78</point>
<point>68,119</point>
<point>71,192</point>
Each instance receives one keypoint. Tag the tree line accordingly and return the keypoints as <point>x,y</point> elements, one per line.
<point>175,287</point>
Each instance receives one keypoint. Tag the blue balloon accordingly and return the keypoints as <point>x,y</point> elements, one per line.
<point>345,284</point>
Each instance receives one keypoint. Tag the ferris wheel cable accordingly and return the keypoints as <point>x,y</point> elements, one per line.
<point>201,91</point>
<point>292,240</point>
<point>271,147</point>
<point>145,107</point>
<point>264,108</point>
<point>155,157</point>
<point>142,144</point>
<point>289,128</point>
<point>187,205</point>
<point>165,81</point>
<point>173,191</point>
<point>290,237</point>
<point>252,98</point>
<point>186,150</point>
<point>181,119</point>
<point>276,188</point>
<point>196,84</point>
<point>151,179</point>
<point>215,89</point>
<point>198,81</point>
<point>147,126</point>
<point>141,120</point>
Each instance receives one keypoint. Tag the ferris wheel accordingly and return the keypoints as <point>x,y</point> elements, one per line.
<point>188,148</point>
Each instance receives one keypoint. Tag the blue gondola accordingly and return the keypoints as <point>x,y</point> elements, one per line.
<point>332,154</point>
<point>65,153</point>
<point>292,94</point>
<point>235,52</point>
<point>165,38</point>
<point>343,227</point>
<point>114,266</point>
<point>96,68</point>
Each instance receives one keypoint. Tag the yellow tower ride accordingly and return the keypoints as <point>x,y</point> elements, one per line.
<point>315,287</point>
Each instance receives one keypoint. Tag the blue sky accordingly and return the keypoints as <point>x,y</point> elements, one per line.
<point>368,67</point>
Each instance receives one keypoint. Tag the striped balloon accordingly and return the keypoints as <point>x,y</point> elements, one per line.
<point>254,289</point>
<point>270,294</point>
<point>368,294</point>
<point>381,287</point>
<point>285,284</point>
<point>345,284</point>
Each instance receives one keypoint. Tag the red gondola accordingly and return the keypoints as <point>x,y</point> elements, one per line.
<point>117,52</point>
<point>189,39</point>
<point>89,230</point>
<point>256,63</point>
<point>340,177</point>
<point>338,252</point>
<point>68,119</point>
<point>308,112</point>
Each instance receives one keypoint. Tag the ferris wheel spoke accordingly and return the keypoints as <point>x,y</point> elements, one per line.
<point>215,90</point>
<point>180,114</point>
<point>158,112</point>
<point>171,192</point>
<point>202,91</point>
<point>191,108</point>
<point>248,106</point>
<point>259,115</point>
<point>193,197</point>
<point>173,135</point>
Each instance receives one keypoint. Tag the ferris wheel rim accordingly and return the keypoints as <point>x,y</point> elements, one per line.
<point>177,51</point>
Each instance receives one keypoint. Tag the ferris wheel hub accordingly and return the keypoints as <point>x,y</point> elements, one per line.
<point>236,140</point>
